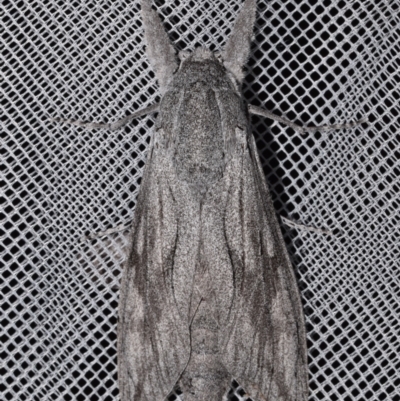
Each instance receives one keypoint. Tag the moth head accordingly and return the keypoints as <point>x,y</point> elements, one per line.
<point>203,64</point>
<point>163,57</point>
<point>198,55</point>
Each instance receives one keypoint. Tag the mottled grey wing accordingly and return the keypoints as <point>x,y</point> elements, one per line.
<point>153,344</point>
<point>264,343</point>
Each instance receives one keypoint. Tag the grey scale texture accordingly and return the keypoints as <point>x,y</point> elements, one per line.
<point>313,62</point>
<point>208,293</point>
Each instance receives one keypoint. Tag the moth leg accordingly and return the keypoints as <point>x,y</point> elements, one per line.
<point>98,234</point>
<point>112,126</point>
<point>302,130</point>
<point>292,224</point>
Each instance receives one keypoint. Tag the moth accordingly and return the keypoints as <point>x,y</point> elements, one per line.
<point>208,293</point>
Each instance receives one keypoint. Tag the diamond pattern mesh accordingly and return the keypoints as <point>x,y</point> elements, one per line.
<point>314,62</point>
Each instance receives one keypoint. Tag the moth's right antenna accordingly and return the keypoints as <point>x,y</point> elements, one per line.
<point>237,48</point>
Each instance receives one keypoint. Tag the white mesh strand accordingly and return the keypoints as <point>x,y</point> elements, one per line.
<point>314,62</point>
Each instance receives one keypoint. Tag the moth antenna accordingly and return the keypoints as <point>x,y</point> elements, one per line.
<point>237,48</point>
<point>160,51</point>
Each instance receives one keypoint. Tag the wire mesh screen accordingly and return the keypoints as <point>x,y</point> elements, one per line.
<point>314,62</point>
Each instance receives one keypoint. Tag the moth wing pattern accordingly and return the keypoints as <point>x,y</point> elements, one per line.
<point>153,344</point>
<point>216,269</point>
<point>264,342</point>
<point>263,345</point>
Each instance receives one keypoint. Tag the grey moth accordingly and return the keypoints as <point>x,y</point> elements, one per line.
<point>208,293</point>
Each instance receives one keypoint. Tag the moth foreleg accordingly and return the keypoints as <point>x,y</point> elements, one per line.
<point>292,224</point>
<point>111,126</point>
<point>98,234</point>
<point>302,130</point>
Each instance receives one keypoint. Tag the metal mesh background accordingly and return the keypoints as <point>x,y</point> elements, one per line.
<point>312,61</point>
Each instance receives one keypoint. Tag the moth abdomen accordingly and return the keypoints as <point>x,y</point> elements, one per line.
<point>205,377</point>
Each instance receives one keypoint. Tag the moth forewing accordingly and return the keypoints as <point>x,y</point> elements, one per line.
<point>208,293</point>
